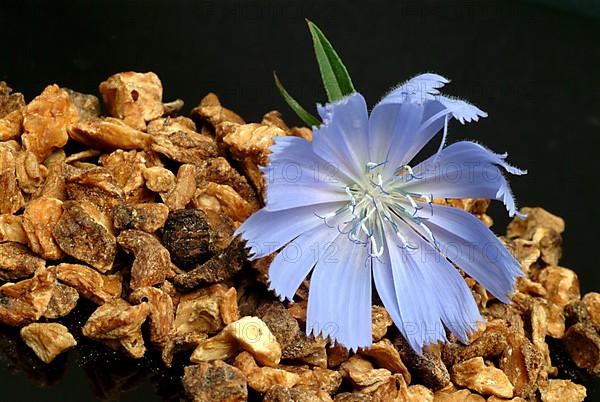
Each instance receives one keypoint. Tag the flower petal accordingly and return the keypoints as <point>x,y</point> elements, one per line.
<point>294,262</point>
<point>267,231</point>
<point>296,176</point>
<point>342,139</point>
<point>339,302</point>
<point>464,170</point>
<point>468,243</point>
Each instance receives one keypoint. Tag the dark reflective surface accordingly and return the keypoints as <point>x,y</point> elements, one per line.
<point>534,69</point>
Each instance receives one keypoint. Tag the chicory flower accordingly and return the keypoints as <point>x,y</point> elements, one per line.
<point>350,207</point>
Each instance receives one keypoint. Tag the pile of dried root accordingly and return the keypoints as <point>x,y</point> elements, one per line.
<point>135,214</point>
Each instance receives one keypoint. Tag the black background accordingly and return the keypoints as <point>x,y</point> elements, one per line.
<point>534,69</point>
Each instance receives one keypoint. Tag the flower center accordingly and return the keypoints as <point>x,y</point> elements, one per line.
<point>379,205</point>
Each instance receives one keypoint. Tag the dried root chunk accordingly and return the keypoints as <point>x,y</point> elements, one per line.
<point>582,342</point>
<point>452,395</point>
<point>221,198</point>
<point>352,397</point>
<point>184,190</point>
<point>97,186</point>
<point>159,179</point>
<point>16,262</point>
<point>536,218</point>
<point>185,146</point>
<point>549,241</point>
<point>591,302</point>
<point>87,105</point>
<point>26,301</point>
<point>386,356</point>
<point>39,219</point>
<point>161,313</point>
<point>11,229</point>
<point>563,390</point>
<point>89,283</point>
<point>487,380</point>
<point>363,376</point>
<point>11,198</point>
<point>562,284</point>
<point>134,97</point>
<point>215,381</point>
<point>219,268</point>
<point>30,173</point>
<point>250,333</point>
<point>261,379</point>
<point>54,186</point>
<point>381,321</point>
<point>198,314</point>
<point>127,169</point>
<point>152,263</point>
<point>147,217</point>
<point>187,236</point>
<point>490,343</point>
<point>522,363</point>
<point>64,299</point>
<point>82,233</point>
<point>316,379</point>
<point>539,330</point>
<point>12,106</point>
<point>46,121</point>
<point>210,110</point>
<point>219,170</point>
<point>252,140</point>
<point>108,134</point>
<point>47,340</point>
<point>428,367</point>
<point>280,393</point>
<point>120,324</point>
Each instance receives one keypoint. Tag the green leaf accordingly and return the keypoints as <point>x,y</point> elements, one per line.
<point>334,74</point>
<point>306,117</point>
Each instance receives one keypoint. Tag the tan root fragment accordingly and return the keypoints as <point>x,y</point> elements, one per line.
<point>46,121</point>
<point>47,340</point>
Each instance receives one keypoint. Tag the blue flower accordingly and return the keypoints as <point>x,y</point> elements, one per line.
<point>351,208</point>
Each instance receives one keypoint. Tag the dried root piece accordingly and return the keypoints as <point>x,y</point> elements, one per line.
<point>109,134</point>
<point>522,363</point>
<point>536,218</point>
<point>83,233</point>
<point>184,190</point>
<point>39,219</point>
<point>582,342</point>
<point>210,110</point>
<point>177,139</point>
<point>280,393</point>
<point>11,198</point>
<point>147,217</point>
<point>87,105</point>
<point>30,173</point>
<point>161,314</point>
<point>363,376</point>
<point>215,381</point>
<point>26,301</point>
<point>452,395</point>
<point>490,343</point>
<point>118,325</point>
<point>385,355</point>
<point>89,283</point>
<point>316,379</point>
<point>261,379</point>
<point>217,269</point>
<point>218,170</point>
<point>159,179</point>
<point>96,186</point>
<point>562,285</point>
<point>591,302</point>
<point>563,390</point>
<point>222,199</point>
<point>487,380</point>
<point>11,229</point>
<point>17,262</point>
<point>187,236</point>
<point>46,121</point>
<point>152,264</point>
<point>64,300</point>
<point>127,169</point>
<point>134,97</point>
<point>250,333</point>
<point>47,340</point>
<point>381,322</point>
<point>12,106</point>
<point>428,367</point>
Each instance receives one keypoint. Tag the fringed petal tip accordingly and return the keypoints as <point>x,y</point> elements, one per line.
<point>329,336</point>
<point>326,111</point>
